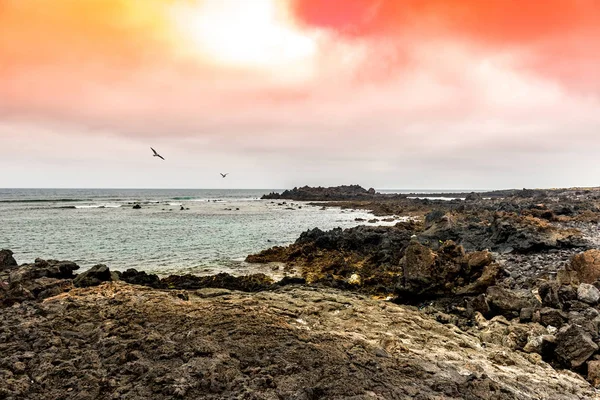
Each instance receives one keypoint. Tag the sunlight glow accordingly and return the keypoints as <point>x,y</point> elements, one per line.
<point>255,34</point>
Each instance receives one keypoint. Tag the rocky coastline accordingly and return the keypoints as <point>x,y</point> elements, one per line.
<point>491,297</point>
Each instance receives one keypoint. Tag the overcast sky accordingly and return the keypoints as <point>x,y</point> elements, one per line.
<point>444,94</point>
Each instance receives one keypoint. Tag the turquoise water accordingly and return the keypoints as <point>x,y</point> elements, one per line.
<point>91,226</point>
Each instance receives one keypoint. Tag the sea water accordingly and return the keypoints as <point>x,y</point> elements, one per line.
<point>214,233</point>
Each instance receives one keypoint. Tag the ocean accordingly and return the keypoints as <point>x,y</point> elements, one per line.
<point>214,233</point>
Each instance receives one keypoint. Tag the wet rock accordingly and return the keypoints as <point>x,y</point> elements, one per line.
<point>508,302</point>
<point>588,293</point>
<point>574,346</point>
<point>93,277</point>
<point>6,259</point>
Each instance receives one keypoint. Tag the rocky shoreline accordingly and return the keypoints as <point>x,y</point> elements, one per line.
<point>491,297</point>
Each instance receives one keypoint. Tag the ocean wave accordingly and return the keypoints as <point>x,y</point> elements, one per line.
<point>44,200</point>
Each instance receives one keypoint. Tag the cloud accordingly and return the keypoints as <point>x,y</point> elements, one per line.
<point>393,90</point>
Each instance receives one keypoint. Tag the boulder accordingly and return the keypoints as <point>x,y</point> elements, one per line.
<point>6,259</point>
<point>555,295</point>
<point>508,302</point>
<point>574,346</point>
<point>136,277</point>
<point>588,293</point>
<point>552,317</point>
<point>93,277</point>
<point>583,268</point>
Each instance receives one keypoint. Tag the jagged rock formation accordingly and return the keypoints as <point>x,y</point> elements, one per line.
<point>307,193</point>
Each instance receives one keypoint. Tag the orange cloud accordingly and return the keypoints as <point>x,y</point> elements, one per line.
<point>555,37</point>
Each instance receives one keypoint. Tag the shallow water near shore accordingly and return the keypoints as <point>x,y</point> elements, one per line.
<point>215,232</point>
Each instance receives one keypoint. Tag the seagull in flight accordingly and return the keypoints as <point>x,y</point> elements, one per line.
<point>156,154</point>
<point>224,175</point>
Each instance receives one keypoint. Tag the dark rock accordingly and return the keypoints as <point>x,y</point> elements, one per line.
<point>134,277</point>
<point>526,314</point>
<point>574,346</point>
<point>508,302</point>
<point>291,280</point>
<point>552,317</point>
<point>473,197</point>
<point>478,304</point>
<point>44,269</point>
<point>6,259</point>
<point>249,283</point>
<point>93,277</point>
<point>137,207</point>
<point>307,193</point>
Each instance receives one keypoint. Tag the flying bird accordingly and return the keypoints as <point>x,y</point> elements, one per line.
<point>224,175</point>
<point>156,154</point>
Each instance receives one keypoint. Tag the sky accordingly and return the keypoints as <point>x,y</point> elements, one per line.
<point>412,94</point>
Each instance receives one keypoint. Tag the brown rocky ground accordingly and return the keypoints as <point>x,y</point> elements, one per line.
<point>120,341</point>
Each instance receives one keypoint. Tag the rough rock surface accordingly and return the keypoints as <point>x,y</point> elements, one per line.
<point>93,277</point>
<point>119,341</point>
<point>588,293</point>
<point>509,302</point>
<point>384,260</point>
<point>249,283</point>
<point>584,267</point>
<point>575,346</point>
<point>6,259</point>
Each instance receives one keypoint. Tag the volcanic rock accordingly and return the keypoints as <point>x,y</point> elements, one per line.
<point>508,302</point>
<point>93,277</point>
<point>584,268</point>
<point>574,346</point>
<point>249,283</point>
<point>307,193</point>
<point>6,259</point>
<point>588,293</point>
<point>136,277</point>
